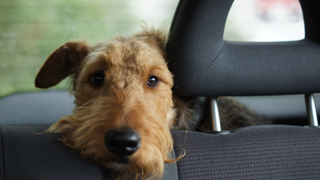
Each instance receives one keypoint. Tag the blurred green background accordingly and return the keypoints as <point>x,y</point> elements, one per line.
<point>31,29</point>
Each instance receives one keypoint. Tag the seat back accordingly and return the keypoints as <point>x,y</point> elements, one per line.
<point>204,64</point>
<point>26,154</point>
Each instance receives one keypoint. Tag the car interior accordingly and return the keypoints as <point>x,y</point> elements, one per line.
<point>277,79</point>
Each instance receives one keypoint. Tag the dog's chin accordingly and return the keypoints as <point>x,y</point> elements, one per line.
<point>123,161</point>
<point>120,165</point>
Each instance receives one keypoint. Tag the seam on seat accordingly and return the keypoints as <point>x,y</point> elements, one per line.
<point>2,174</point>
<point>176,164</point>
<point>171,170</point>
<point>208,65</point>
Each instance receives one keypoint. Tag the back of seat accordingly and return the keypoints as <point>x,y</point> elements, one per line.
<point>204,64</point>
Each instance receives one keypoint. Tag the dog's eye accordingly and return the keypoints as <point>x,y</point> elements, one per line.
<point>97,79</point>
<point>152,81</point>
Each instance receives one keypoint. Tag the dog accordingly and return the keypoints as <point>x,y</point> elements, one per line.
<point>124,104</point>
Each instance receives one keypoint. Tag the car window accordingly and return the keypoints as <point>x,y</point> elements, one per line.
<point>31,29</point>
<point>265,20</point>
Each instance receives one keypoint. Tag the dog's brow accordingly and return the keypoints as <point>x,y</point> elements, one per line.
<point>158,64</point>
<point>159,67</point>
<point>94,63</point>
<point>94,57</point>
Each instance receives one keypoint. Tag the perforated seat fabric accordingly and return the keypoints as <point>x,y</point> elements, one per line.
<point>258,152</point>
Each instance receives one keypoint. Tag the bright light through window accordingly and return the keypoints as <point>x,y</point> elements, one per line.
<point>265,20</point>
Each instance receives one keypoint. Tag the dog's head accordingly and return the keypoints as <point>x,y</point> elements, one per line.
<point>124,108</point>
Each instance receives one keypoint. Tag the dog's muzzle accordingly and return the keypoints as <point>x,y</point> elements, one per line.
<point>122,142</point>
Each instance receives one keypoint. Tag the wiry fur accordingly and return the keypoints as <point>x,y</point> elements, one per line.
<point>125,100</point>
<point>194,113</point>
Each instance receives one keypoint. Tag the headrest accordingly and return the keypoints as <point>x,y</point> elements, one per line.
<point>204,64</point>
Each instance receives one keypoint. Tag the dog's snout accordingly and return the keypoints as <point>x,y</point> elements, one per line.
<point>122,142</point>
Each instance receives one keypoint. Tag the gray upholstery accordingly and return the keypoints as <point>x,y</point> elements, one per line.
<point>35,108</point>
<point>30,156</point>
<point>258,152</point>
<point>26,155</point>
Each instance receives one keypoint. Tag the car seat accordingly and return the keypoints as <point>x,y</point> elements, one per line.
<point>204,64</point>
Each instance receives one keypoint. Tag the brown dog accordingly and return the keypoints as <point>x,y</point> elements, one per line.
<point>124,104</point>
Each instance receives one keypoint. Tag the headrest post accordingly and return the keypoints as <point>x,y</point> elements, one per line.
<point>215,116</point>
<point>311,109</point>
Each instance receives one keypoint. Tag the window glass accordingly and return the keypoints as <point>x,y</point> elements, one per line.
<point>31,29</point>
<point>265,20</point>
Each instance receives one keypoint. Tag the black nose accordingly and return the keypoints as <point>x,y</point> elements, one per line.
<point>122,142</point>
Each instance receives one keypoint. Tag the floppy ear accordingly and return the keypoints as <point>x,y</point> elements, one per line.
<point>60,63</point>
<point>154,36</point>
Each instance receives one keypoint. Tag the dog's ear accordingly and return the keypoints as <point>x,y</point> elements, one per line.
<point>60,63</point>
<point>151,35</point>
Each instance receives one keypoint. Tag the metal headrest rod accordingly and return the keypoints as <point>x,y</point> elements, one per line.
<point>311,110</point>
<point>215,117</point>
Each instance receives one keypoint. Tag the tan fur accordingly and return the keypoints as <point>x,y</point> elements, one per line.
<point>123,100</point>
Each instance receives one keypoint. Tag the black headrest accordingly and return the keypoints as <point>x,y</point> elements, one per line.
<point>204,64</point>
